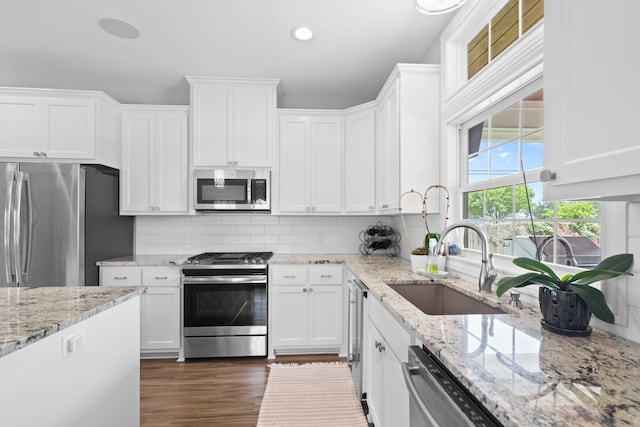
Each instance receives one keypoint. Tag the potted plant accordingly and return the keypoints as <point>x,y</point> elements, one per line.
<point>567,302</point>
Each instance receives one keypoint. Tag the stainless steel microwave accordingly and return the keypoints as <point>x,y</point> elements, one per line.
<point>232,190</point>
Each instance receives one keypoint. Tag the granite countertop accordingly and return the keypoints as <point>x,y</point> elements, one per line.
<point>28,315</point>
<point>523,374</point>
<point>145,260</point>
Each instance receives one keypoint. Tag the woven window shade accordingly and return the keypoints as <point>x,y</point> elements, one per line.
<point>478,52</point>
<point>532,13</point>
<point>504,28</point>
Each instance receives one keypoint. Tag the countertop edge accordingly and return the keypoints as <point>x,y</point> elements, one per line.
<point>32,338</point>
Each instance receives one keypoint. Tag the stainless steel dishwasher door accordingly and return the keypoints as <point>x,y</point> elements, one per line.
<point>435,399</point>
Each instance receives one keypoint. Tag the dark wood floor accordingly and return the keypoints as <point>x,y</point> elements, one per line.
<point>207,392</point>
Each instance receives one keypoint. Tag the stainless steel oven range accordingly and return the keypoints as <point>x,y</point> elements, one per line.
<point>225,304</point>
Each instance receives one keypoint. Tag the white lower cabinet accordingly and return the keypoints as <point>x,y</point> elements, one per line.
<point>384,350</point>
<point>306,309</point>
<point>159,305</point>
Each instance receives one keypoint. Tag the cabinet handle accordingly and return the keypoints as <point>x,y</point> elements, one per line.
<point>161,278</point>
<point>120,278</point>
<point>380,346</point>
<point>370,208</point>
<point>326,276</point>
<point>385,206</point>
<point>43,154</point>
<point>292,276</point>
<point>304,289</point>
<point>310,289</point>
<point>35,153</point>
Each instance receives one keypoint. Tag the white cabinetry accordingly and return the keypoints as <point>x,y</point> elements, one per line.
<point>590,105</point>
<point>95,384</point>
<point>385,348</point>
<point>310,166</point>
<point>408,136</point>
<point>359,160</point>
<point>65,125</point>
<point>305,308</point>
<point>159,305</point>
<point>154,167</point>
<point>233,122</point>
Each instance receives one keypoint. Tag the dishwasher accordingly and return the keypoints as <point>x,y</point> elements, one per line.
<point>435,396</point>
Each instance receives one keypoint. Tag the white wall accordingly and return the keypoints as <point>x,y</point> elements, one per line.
<point>239,232</point>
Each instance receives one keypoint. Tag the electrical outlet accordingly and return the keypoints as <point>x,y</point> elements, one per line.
<point>72,343</point>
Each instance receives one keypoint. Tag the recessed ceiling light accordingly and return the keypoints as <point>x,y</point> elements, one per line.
<point>302,33</point>
<point>119,28</point>
<point>438,7</point>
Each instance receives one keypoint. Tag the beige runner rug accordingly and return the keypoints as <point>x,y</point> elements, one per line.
<point>313,394</point>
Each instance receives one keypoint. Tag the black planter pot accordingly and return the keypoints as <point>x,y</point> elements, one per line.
<point>564,312</point>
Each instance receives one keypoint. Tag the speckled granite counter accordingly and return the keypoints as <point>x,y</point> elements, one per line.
<point>145,260</point>
<point>524,375</point>
<point>28,315</point>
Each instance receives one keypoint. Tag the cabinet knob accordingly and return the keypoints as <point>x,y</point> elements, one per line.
<point>43,154</point>
<point>35,153</point>
<point>379,346</point>
<point>385,206</point>
<point>310,289</point>
<point>304,289</point>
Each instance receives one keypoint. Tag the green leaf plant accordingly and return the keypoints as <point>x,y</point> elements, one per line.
<point>543,275</point>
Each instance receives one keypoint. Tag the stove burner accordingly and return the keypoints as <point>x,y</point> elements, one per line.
<point>229,258</point>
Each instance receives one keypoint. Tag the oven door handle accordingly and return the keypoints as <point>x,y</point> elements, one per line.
<point>221,280</point>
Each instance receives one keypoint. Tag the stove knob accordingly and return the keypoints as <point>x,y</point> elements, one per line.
<point>246,261</point>
<point>259,261</point>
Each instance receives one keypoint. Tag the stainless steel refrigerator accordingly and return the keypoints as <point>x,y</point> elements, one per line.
<point>58,220</point>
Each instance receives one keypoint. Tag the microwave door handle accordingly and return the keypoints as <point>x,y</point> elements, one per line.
<point>7,239</point>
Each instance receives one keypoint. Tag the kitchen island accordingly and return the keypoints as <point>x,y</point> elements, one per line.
<point>524,375</point>
<point>69,356</point>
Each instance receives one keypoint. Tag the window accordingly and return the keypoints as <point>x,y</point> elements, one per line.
<point>503,193</point>
<point>512,21</point>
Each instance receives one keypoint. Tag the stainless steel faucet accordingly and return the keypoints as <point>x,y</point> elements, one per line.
<point>571,260</point>
<point>487,273</point>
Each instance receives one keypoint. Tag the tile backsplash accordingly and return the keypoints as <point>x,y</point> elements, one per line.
<point>241,232</point>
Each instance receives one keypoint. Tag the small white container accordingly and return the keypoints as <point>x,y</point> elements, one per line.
<point>419,263</point>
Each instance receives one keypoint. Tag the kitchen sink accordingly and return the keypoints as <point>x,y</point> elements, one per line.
<point>439,299</point>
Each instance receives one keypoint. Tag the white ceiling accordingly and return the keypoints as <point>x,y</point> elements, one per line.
<point>58,44</point>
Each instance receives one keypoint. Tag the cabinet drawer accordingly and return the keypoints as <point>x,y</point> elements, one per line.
<point>326,275</point>
<point>289,275</point>
<point>396,336</point>
<point>120,276</point>
<point>161,276</point>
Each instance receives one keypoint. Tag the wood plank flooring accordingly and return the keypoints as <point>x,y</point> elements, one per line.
<point>207,392</point>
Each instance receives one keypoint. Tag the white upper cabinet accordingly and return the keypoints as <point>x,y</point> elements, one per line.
<point>589,102</point>
<point>408,136</point>
<point>154,172</point>
<point>233,122</point>
<point>310,164</point>
<point>64,125</point>
<point>359,160</point>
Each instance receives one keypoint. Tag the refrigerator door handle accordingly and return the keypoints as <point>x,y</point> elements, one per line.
<point>27,248</point>
<point>8,226</point>
<point>17,214</point>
